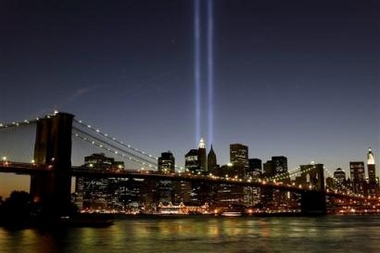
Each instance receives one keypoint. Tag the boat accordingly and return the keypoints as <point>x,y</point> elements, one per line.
<point>231,213</point>
<point>233,210</point>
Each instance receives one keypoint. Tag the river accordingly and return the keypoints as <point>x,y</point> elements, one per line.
<point>205,234</point>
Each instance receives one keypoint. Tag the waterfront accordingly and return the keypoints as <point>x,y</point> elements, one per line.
<point>205,234</point>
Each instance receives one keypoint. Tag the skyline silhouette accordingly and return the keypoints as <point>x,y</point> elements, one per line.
<point>296,79</point>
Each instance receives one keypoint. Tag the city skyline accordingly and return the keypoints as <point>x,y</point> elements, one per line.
<point>298,80</point>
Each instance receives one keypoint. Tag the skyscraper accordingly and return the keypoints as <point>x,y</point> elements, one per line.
<point>239,157</point>
<point>340,175</point>
<point>166,162</point>
<point>202,158</point>
<point>196,159</point>
<point>165,188</point>
<point>280,164</point>
<point>192,161</point>
<point>196,163</point>
<point>99,193</point>
<point>372,182</point>
<point>358,177</point>
<point>255,167</point>
<point>211,160</point>
<point>255,171</point>
<point>268,170</point>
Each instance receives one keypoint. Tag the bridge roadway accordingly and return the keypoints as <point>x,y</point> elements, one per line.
<point>78,171</point>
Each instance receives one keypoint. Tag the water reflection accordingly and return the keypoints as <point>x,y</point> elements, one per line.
<point>325,234</point>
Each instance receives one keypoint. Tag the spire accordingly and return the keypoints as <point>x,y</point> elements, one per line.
<point>370,157</point>
<point>202,144</point>
<point>211,160</point>
<point>211,152</point>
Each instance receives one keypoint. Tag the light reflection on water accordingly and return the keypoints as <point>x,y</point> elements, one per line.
<point>201,234</point>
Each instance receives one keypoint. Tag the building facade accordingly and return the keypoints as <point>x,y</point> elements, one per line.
<point>357,174</point>
<point>166,163</point>
<point>99,193</point>
<point>212,164</point>
<point>202,157</point>
<point>373,184</point>
<point>239,158</point>
<point>165,188</point>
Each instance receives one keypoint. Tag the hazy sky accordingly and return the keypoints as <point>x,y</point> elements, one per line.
<point>292,78</point>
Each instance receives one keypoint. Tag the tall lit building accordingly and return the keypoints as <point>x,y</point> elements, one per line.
<point>268,170</point>
<point>280,167</point>
<point>340,179</point>
<point>340,175</point>
<point>202,157</point>
<point>166,162</point>
<point>192,162</point>
<point>100,193</point>
<point>196,159</point>
<point>280,164</point>
<point>253,193</point>
<point>239,157</point>
<point>372,182</point>
<point>165,188</point>
<point>357,173</point>
<point>196,163</point>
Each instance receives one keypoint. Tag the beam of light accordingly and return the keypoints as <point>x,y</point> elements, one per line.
<point>210,69</point>
<point>197,69</point>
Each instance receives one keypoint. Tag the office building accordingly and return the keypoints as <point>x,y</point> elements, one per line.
<point>99,193</point>
<point>211,161</point>
<point>373,186</point>
<point>165,188</point>
<point>255,167</point>
<point>239,158</point>
<point>202,157</point>
<point>166,163</point>
<point>339,179</point>
<point>357,174</point>
<point>192,162</point>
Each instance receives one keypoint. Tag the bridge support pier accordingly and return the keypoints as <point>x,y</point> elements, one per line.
<point>53,148</point>
<point>313,203</point>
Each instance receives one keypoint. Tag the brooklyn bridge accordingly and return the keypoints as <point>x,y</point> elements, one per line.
<point>48,161</point>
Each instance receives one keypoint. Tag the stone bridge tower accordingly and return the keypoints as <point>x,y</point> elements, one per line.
<point>53,148</point>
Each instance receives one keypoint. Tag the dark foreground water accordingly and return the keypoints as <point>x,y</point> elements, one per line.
<point>201,234</point>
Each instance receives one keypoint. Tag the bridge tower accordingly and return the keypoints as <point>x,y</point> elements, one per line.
<point>313,202</point>
<point>53,148</point>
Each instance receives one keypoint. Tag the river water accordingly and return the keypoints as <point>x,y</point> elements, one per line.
<point>205,234</point>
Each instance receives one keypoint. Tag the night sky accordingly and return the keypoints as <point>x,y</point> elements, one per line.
<point>292,78</point>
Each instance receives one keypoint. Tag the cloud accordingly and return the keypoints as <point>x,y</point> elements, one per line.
<point>81,91</point>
